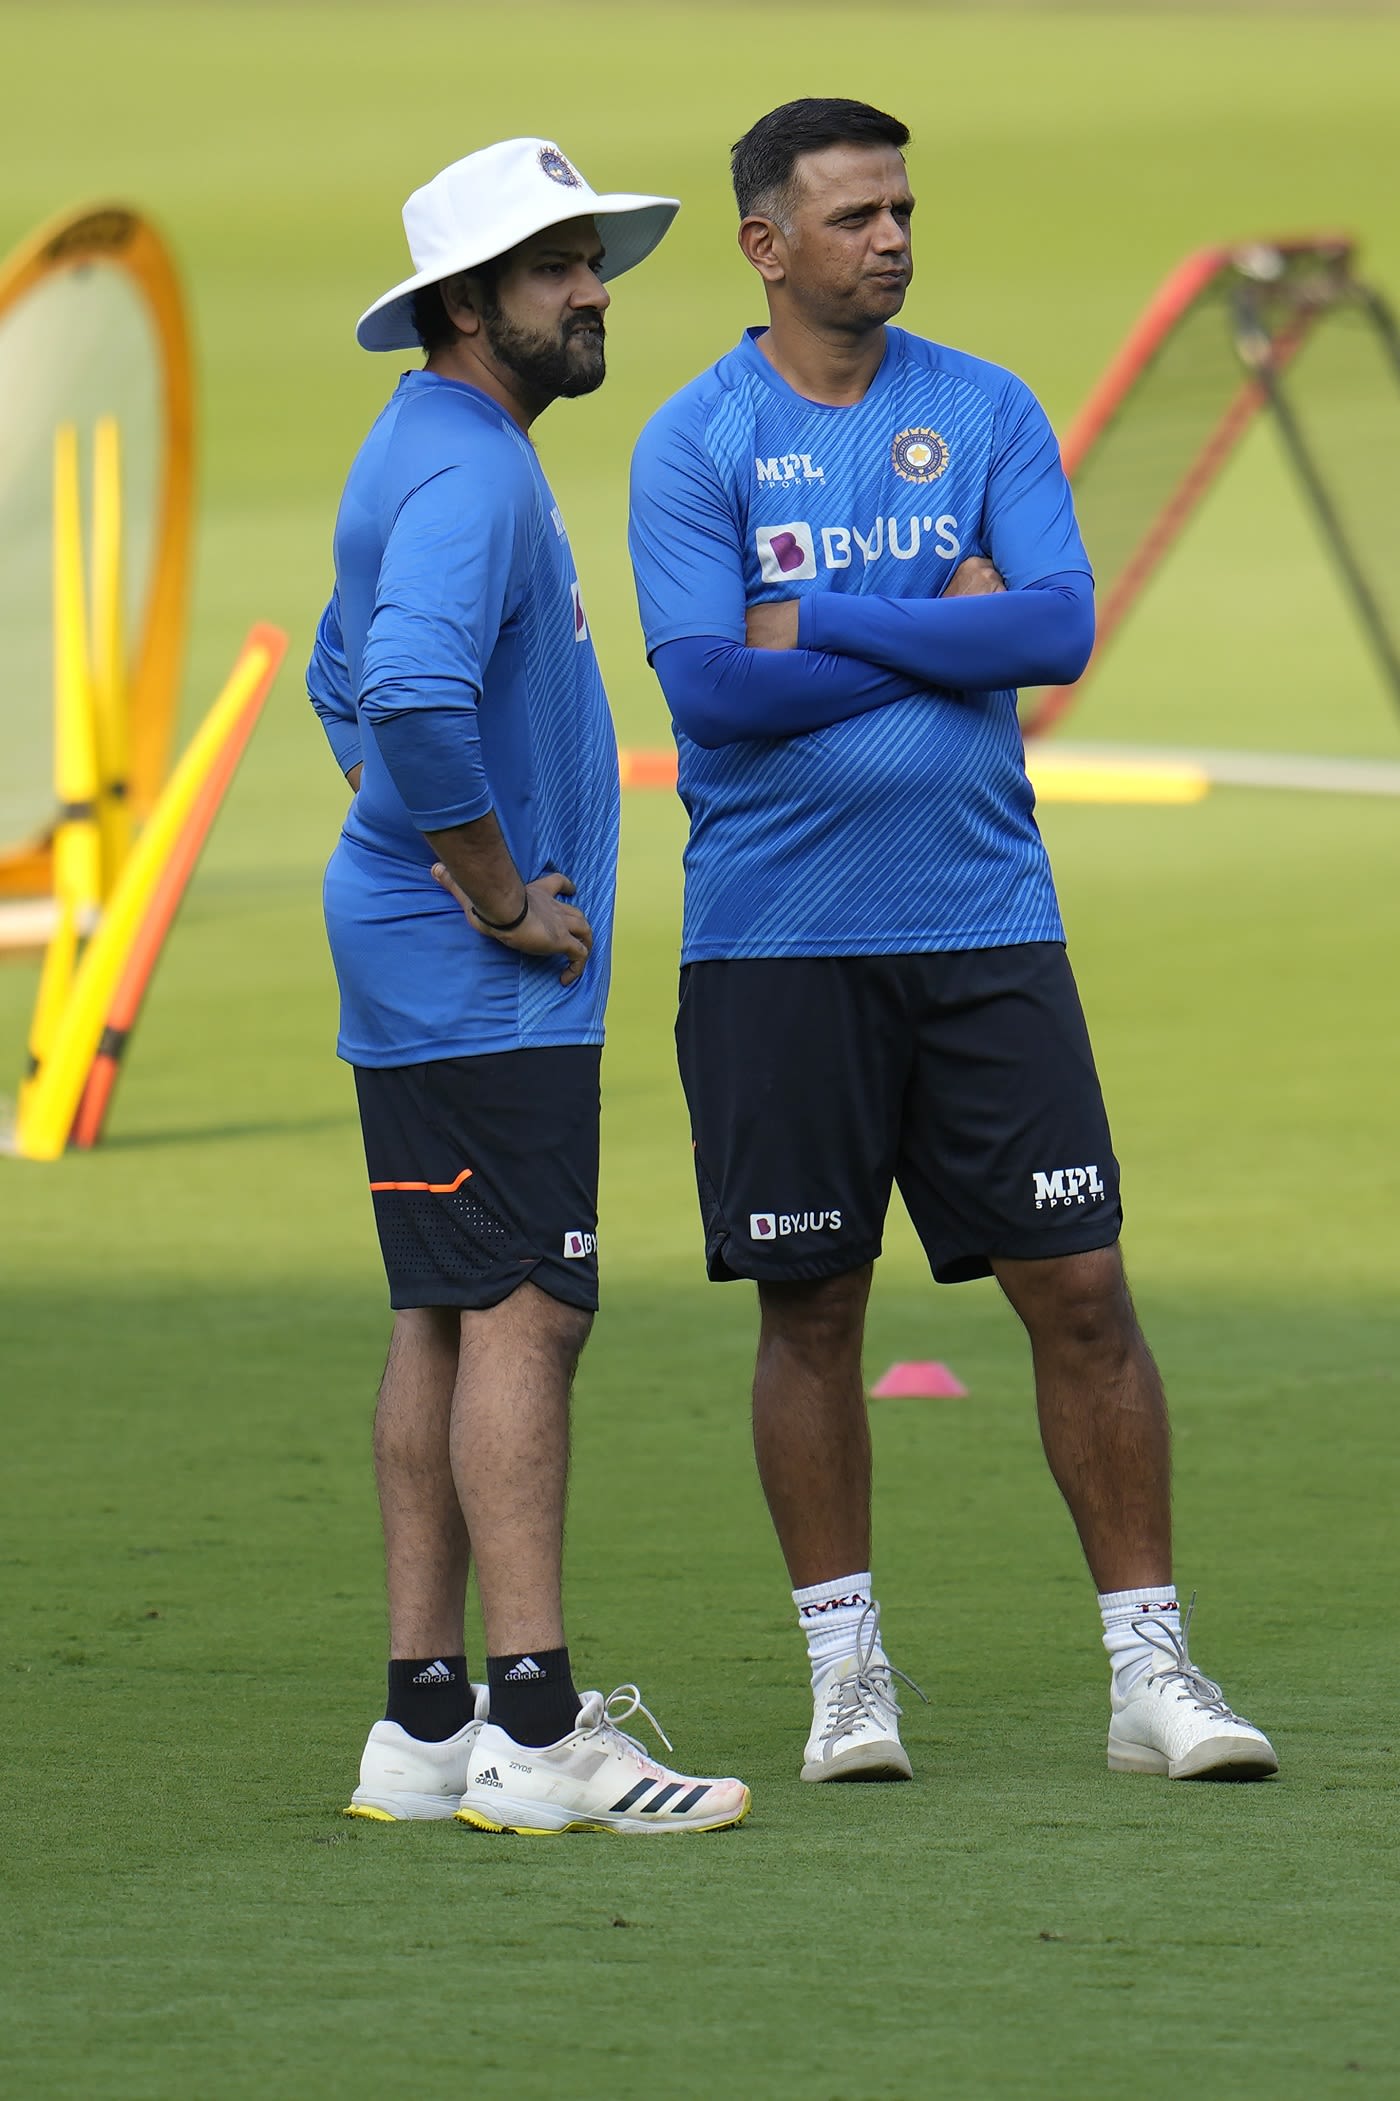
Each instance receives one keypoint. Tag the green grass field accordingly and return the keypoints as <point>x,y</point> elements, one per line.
<point>192,1319</point>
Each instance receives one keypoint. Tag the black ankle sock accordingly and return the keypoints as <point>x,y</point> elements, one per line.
<point>429,1696</point>
<point>533,1697</point>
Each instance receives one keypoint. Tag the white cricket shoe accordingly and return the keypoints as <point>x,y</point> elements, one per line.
<point>855,1715</point>
<point>403,1778</point>
<point>1177,1722</point>
<point>596,1779</point>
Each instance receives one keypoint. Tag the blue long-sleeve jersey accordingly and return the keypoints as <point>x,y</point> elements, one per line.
<point>900,819</point>
<point>454,661</point>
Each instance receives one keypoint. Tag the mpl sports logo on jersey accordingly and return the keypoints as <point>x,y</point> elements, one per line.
<point>789,466</point>
<point>1067,1185</point>
<point>579,1246</point>
<point>788,553</point>
<point>781,1225</point>
<point>580,617</point>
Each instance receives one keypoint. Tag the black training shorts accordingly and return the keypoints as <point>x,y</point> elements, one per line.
<point>484,1172</point>
<point>817,1082</point>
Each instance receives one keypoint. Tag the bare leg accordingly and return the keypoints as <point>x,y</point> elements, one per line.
<point>811,1432</point>
<point>425,1541</point>
<point>510,1457</point>
<point>1103,1414</point>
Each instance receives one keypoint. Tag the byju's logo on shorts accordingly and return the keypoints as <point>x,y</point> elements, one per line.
<point>785,552</point>
<point>779,1225</point>
<point>579,1246</point>
<point>1067,1185</point>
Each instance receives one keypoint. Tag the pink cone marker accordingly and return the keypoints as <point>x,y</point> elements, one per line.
<point>919,1382</point>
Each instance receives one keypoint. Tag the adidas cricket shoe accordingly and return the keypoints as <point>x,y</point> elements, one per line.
<point>855,1715</point>
<point>1177,1723</point>
<point>404,1778</point>
<point>596,1779</point>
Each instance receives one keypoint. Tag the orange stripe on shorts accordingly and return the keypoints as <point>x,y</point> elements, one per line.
<point>432,1188</point>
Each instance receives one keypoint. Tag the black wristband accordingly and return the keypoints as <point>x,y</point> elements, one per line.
<point>505,926</point>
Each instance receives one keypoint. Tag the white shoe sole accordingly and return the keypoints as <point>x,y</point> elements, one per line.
<point>1215,1758</point>
<point>887,1760</point>
<point>402,1809</point>
<point>542,1820</point>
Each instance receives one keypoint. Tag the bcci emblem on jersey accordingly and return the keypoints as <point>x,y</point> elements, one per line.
<point>918,455</point>
<point>785,552</point>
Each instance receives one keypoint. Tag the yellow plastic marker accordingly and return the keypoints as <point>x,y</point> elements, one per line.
<point>77,858</point>
<point>109,693</point>
<point>1069,778</point>
<point>77,845</point>
<point>47,1106</point>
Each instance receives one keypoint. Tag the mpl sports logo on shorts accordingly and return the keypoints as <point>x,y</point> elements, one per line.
<point>1067,1185</point>
<point>579,1246</point>
<point>788,553</point>
<point>780,1225</point>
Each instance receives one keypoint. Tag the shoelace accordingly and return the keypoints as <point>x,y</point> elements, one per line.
<point>609,1723</point>
<point>1203,1692</point>
<point>868,1686</point>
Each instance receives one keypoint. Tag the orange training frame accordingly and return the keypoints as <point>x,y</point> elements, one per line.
<point>119,238</point>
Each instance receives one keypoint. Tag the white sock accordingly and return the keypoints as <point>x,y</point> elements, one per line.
<point>830,1614</point>
<point>1130,1655</point>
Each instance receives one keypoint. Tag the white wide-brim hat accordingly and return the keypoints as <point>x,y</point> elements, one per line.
<point>489,202</point>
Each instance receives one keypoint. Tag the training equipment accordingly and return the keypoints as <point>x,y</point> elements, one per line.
<point>109,982</point>
<point>406,1780</point>
<point>94,351</point>
<point>596,1779</point>
<point>1177,1723</point>
<point>855,1715</point>
<point>1284,328</point>
<point>919,1381</point>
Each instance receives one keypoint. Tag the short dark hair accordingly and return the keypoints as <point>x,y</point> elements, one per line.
<point>764,158</point>
<point>435,327</point>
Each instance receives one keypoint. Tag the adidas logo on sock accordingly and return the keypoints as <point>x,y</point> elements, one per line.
<point>526,1668</point>
<point>490,1778</point>
<point>435,1674</point>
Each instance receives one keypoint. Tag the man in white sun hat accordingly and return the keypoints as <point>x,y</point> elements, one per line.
<point>469,906</point>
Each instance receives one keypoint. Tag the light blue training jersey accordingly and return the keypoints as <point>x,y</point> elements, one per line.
<point>455,660</point>
<point>910,828</point>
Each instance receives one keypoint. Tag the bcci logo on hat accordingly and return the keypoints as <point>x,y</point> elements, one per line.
<point>785,552</point>
<point>918,455</point>
<point>558,169</point>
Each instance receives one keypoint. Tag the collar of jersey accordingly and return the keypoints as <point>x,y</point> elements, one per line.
<point>880,384</point>
<point>416,381</point>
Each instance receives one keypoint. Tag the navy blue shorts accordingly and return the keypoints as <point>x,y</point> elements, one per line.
<point>484,1172</point>
<point>816,1084</point>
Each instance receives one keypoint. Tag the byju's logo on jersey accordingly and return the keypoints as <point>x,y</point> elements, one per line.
<point>785,552</point>
<point>789,466</point>
<point>580,617</point>
<point>918,454</point>
<point>779,1225</point>
<point>1067,1185</point>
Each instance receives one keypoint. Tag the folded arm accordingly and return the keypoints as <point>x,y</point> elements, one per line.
<point>1040,635</point>
<point>720,692</point>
